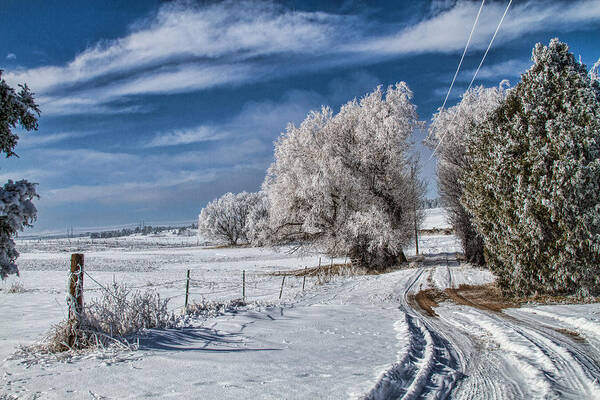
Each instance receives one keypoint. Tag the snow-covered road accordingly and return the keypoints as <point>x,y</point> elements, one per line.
<point>470,351</point>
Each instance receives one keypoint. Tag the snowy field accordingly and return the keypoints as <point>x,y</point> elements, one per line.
<point>435,218</point>
<point>350,337</point>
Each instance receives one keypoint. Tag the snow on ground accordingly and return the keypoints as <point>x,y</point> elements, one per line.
<point>348,337</point>
<point>435,218</point>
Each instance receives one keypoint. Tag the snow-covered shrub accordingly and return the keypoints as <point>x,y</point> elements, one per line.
<point>534,183</point>
<point>108,321</point>
<point>211,308</point>
<point>16,209</point>
<point>449,132</point>
<point>122,311</point>
<point>342,183</point>
<point>16,287</point>
<point>224,219</point>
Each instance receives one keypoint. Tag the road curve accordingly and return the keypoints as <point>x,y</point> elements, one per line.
<point>469,352</point>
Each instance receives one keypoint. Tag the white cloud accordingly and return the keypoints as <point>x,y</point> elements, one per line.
<point>186,136</point>
<point>92,102</point>
<point>32,175</point>
<point>11,56</point>
<point>237,30</point>
<point>456,93</point>
<point>509,70</point>
<point>40,139</point>
<point>448,30</point>
<point>262,120</point>
<point>182,78</point>
<point>497,72</point>
<point>120,193</point>
<point>186,48</point>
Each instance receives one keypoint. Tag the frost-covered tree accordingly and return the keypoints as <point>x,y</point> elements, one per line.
<point>225,218</point>
<point>448,133</point>
<point>534,183</point>
<point>342,182</point>
<point>258,232</point>
<point>17,109</point>
<point>595,74</point>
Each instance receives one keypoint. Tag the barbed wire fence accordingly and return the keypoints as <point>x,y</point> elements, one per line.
<point>252,285</point>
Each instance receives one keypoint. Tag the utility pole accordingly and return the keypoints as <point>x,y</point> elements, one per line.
<point>413,177</point>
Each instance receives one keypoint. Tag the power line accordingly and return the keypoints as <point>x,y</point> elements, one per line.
<point>476,71</point>
<point>463,54</point>
<point>490,45</point>
<point>459,65</point>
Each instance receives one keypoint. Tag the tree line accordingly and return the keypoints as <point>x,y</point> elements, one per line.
<point>518,171</point>
<point>141,230</point>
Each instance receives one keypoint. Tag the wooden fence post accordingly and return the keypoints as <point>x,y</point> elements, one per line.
<point>304,279</point>
<point>281,291</point>
<point>244,285</point>
<point>187,289</point>
<point>75,300</point>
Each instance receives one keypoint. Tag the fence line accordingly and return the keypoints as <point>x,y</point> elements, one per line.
<point>252,284</point>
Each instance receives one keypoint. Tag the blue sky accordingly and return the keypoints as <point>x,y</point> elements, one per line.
<point>152,108</point>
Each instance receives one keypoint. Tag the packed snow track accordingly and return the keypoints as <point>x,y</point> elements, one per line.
<point>470,352</point>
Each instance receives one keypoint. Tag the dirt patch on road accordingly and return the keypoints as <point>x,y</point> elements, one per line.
<point>485,297</point>
<point>573,335</point>
<point>426,300</point>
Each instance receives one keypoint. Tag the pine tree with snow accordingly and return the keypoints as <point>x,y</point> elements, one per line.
<point>342,183</point>
<point>534,183</point>
<point>17,109</point>
<point>449,132</point>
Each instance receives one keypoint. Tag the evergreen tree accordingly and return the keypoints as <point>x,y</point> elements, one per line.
<point>534,185</point>
<point>16,209</point>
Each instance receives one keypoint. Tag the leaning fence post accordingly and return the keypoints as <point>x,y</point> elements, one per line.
<point>244,285</point>
<point>75,299</point>
<point>304,279</point>
<point>187,289</point>
<point>281,291</point>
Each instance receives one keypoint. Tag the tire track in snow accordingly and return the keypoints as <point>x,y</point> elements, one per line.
<point>589,329</point>
<point>582,357</point>
<point>508,355</point>
<point>429,367</point>
<point>549,363</point>
<point>541,363</point>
